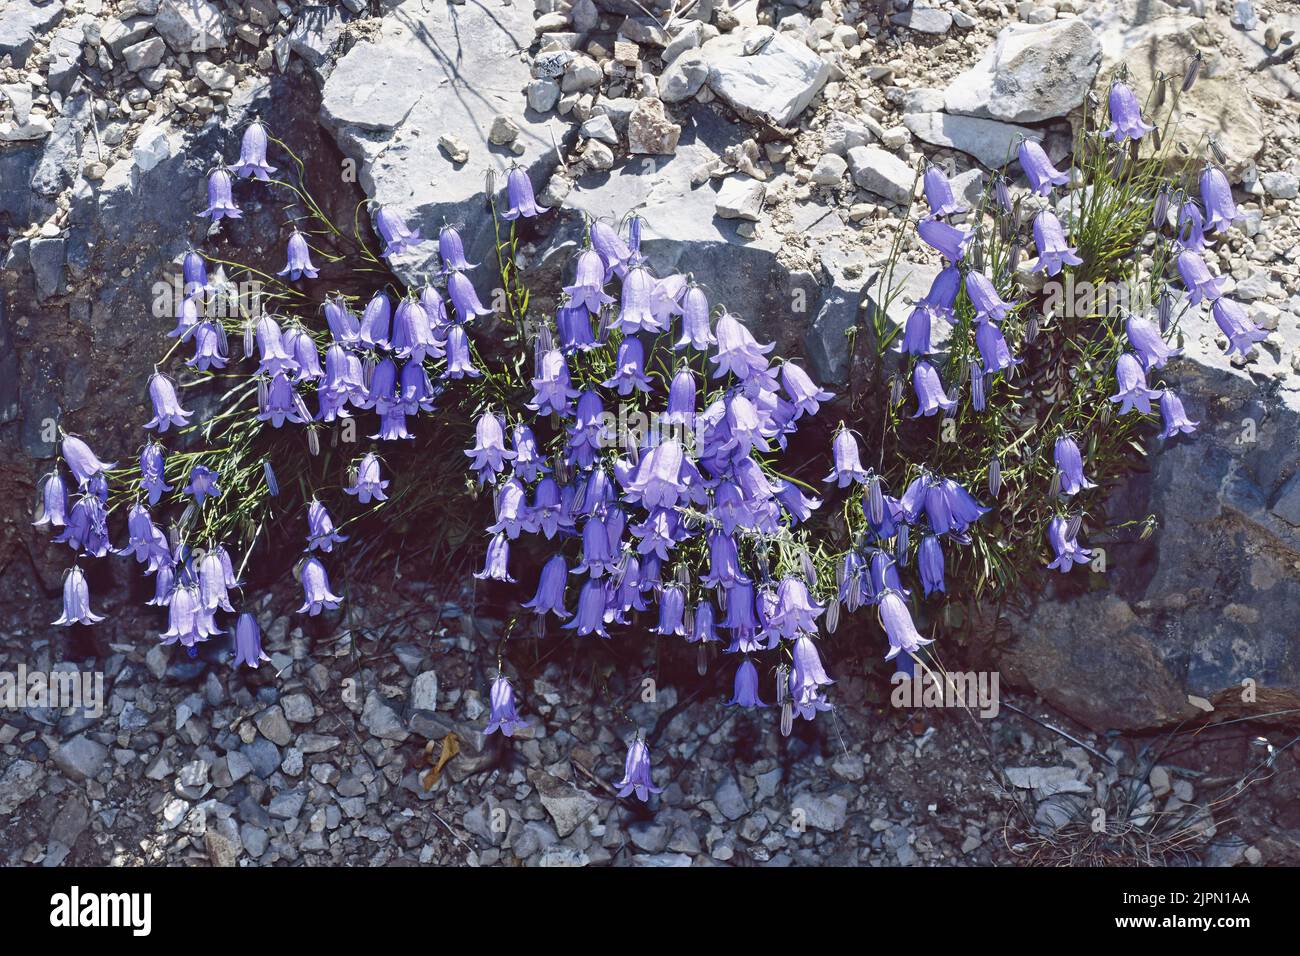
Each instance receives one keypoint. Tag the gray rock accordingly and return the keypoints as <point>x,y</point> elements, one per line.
<point>381,720</point>
<point>924,19</point>
<point>1033,72</point>
<point>19,782</point>
<point>1280,185</point>
<point>829,170</point>
<point>298,709</point>
<point>881,172</point>
<point>191,26</point>
<point>542,95</point>
<point>771,77</point>
<point>254,840</point>
<point>650,131</point>
<point>567,805</point>
<point>81,758</point>
<point>424,691</point>
<point>145,54</point>
<point>730,799</point>
<point>238,766</point>
<point>263,755</point>
<point>649,835</point>
<point>117,35</point>
<point>683,77</point>
<point>825,812</point>
<point>223,843</point>
<point>315,34</point>
<point>600,127</point>
<point>287,805</point>
<point>273,726</point>
<point>47,260</point>
<point>23,21</point>
<point>991,142</point>
<point>741,198</point>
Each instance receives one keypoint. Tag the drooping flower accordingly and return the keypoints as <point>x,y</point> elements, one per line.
<point>502,714</point>
<point>929,564</point>
<point>213,586</point>
<point>167,409</point>
<point>1175,416</point>
<point>146,542</point>
<point>550,589</point>
<point>573,324</point>
<point>529,463</point>
<point>299,256</point>
<point>281,403</point>
<point>1146,341</point>
<point>993,348</point>
<point>1039,169</point>
<point>1191,227</point>
<point>317,595</point>
<point>1054,252</point>
<point>672,612</point>
<point>248,642</point>
<point>209,347</point>
<point>1216,194</point>
<point>194,275</point>
<point>989,306</point>
<point>1069,462</point>
<point>252,153</point>
<point>1200,282</point>
<point>950,241</point>
<point>629,368</point>
<point>847,466</point>
<point>496,561</point>
<point>635,314</point>
<point>1125,115</point>
<point>376,318</point>
<point>636,772</point>
<point>367,483</point>
<point>320,528</point>
<point>938,194</point>
<point>588,287</point>
<point>452,251</point>
<point>613,250</point>
<point>489,454</point>
<point>519,194</point>
<point>76,600</point>
<point>273,356</point>
<point>220,201</point>
<point>803,392</point>
<point>463,297</point>
<point>590,616</point>
<point>695,321</point>
<point>916,333</point>
<point>797,612</point>
<point>930,396</point>
<point>1068,552</point>
<point>460,363</point>
<point>898,626</point>
<point>152,478</point>
<point>588,433</point>
<point>807,676</point>
<point>738,352</point>
<point>202,484</point>
<point>1233,322</point>
<point>703,625</point>
<point>745,690</point>
<point>1131,377</point>
<point>53,511</point>
<point>81,461</point>
<point>942,295</point>
<point>87,528</point>
<point>397,236</point>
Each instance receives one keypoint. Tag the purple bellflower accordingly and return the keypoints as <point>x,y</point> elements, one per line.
<point>1068,552</point>
<point>320,528</point>
<point>248,642</point>
<point>502,714</point>
<point>938,194</point>
<point>519,194</point>
<point>1125,115</point>
<point>1131,377</point>
<point>76,600</point>
<point>636,772</point>
<point>299,256</point>
<point>1069,462</point>
<point>1054,252</point>
<point>167,409</point>
<point>1233,322</point>
<point>317,595</point>
<point>220,201</point>
<point>1216,194</point>
<point>367,483</point>
<point>397,236</point>
<point>1175,416</point>
<point>930,396</point>
<point>252,154</point>
<point>1039,169</point>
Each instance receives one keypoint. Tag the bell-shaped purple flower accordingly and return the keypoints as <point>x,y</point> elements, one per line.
<point>797,612</point>
<point>220,201</point>
<point>317,595</point>
<point>81,461</point>
<point>452,251</point>
<point>152,479</point>
<point>489,454</point>
<point>202,484</point>
<point>989,306</point>
<point>588,287</point>
<point>847,467</point>
<point>1067,550</point>
<point>1054,252</point>
<point>376,319</point>
<point>502,714</point>
<point>1131,377</point>
<point>463,297</point>
<point>519,194</point>
<point>53,511</point>
<point>636,772</point>
<point>1125,115</point>
<point>938,194</point>
<point>635,312</point>
<point>942,296</point>
<point>87,527</point>
<point>252,153</point>
<point>1199,281</point>
<point>588,434</point>
<point>803,392</point>
<point>950,241</point>
<point>1039,169</point>
<point>613,250</point>
<point>672,612</point>
<point>916,333</point>
<point>929,564</point>
<point>703,625</point>
<point>590,616</point>
<point>993,348</point>
<point>273,356</point>
<point>1145,339</point>
<point>930,396</point>
<point>573,325</point>
<point>1216,194</point>
<point>248,642</point>
<point>367,484</point>
<point>1069,462</point>
<point>299,256</point>
<point>320,528</point>
<point>76,600</point>
<point>1175,416</point>
<point>896,620</point>
<point>397,236</point>
<point>738,352</point>
<point>550,589</point>
<point>460,363</point>
<point>167,409</point>
<point>1233,322</point>
<point>209,347</point>
<point>496,561</point>
<point>629,369</point>
<point>681,399</point>
<point>745,689</point>
<point>695,321</point>
<point>145,541</point>
<point>194,275</point>
<point>281,403</point>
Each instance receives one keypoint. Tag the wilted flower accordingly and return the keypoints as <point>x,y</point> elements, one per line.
<point>636,772</point>
<point>1068,552</point>
<point>1132,381</point>
<point>76,600</point>
<point>1233,322</point>
<point>299,256</point>
<point>248,642</point>
<point>220,201</point>
<point>1125,115</point>
<point>1054,252</point>
<point>1175,416</point>
<point>1042,174</point>
<point>502,714</point>
<point>252,153</point>
<point>519,194</point>
<point>317,595</point>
